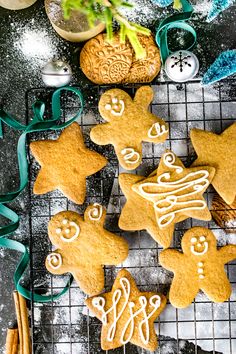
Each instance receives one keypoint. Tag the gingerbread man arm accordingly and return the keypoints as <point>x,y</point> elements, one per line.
<point>144,96</point>
<point>101,134</point>
<point>57,262</point>
<point>227,253</point>
<point>95,214</point>
<point>170,259</point>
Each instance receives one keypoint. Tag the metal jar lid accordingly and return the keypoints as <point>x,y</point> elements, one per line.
<point>181,66</point>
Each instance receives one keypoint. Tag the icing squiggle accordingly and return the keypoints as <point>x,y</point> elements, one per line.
<point>168,199</point>
<point>159,130</point>
<point>128,330</point>
<point>54,260</point>
<point>96,212</point>
<point>129,154</point>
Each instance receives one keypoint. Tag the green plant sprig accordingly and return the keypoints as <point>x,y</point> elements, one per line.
<point>106,11</point>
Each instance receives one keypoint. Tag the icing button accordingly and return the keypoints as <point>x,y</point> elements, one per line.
<point>181,66</point>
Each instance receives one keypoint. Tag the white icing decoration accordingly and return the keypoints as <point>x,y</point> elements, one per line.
<point>201,276</point>
<point>202,238</point>
<point>67,231</point>
<point>193,239</point>
<point>200,244</point>
<point>200,264</point>
<point>110,107</point>
<point>200,270</point>
<point>128,329</point>
<point>169,159</point>
<point>96,212</point>
<point>64,221</point>
<point>58,230</point>
<point>169,198</point>
<point>54,258</point>
<point>159,130</point>
<point>129,154</point>
<point>77,232</point>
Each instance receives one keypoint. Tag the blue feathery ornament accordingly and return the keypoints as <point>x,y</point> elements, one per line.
<point>223,66</point>
<point>217,7</point>
<point>163,3</point>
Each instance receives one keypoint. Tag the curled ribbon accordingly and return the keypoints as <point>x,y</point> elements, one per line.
<point>37,124</point>
<point>175,21</point>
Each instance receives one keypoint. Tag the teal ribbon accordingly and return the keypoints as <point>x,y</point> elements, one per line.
<point>175,21</point>
<point>37,124</point>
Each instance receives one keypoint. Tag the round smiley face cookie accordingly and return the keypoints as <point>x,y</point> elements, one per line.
<point>83,246</point>
<point>199,267</point>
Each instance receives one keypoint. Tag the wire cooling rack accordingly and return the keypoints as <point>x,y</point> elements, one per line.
<point>65,326</point>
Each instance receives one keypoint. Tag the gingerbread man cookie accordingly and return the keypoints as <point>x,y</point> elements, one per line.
<point>218,151</point>
<point>128,124</point>
<point>199,267</point>
<point>169,195</point>
<point>83,247</point>
<point>127,314</point>
<point>65,164</point>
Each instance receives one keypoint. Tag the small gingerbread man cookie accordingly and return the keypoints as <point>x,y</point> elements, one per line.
<point>127,314</point>
<point>128,124</point>
<point>199,267</point>
<point>83,247</point>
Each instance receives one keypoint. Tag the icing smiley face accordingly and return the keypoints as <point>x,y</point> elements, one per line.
<point>68,230</point>
<point>116,106</point>
<point>199,245</point>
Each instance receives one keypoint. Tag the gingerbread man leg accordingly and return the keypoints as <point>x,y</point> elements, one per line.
<point>217,286</point>
<point>129,156</point>
<point>183,291</point>
<point>90,279</point>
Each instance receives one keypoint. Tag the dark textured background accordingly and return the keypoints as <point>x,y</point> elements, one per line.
<point>27,42</point>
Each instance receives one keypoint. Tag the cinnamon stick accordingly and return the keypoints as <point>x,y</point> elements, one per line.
<point>23,324</point>
<point>12,341</point>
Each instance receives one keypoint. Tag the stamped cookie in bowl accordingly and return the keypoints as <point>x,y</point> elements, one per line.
<point>199,267</point>
<point>127,314</point>
<point>83,247</point>
<point>129,122</point>
<point>113,62</point>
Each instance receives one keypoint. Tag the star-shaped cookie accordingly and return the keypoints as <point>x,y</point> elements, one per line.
<point>138,213</point>
<point>65,164</point>
<point>218,151</point>
<point>83,247</point>
<point>172,194</point>
<point>127,314</point>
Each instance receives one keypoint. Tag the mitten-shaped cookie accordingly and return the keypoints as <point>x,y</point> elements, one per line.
<point>83,247</point>
<point>199,267</point>
<point>127,314</point>
<point>128,124</point>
